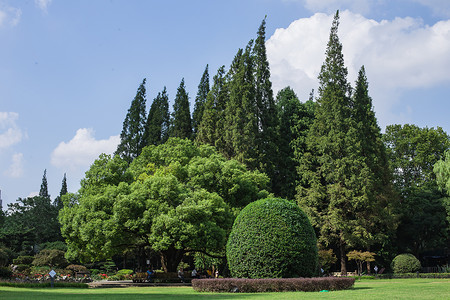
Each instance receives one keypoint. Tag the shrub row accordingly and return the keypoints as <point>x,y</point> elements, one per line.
<point>243,285</point>
<point>415,275</point>
<point>46,284</point>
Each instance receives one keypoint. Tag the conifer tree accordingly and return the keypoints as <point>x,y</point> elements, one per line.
<point>241,123</point>
<point>63,186</point>
<point>377,219</point>
<point>330,168</point>
<point>58,200</point>
<point>200,100</point>
<point>157,127</point>
<point>294,119</point>
<point>43,192</point>
<point>210,130</point>
<point>267,139</point>
<point>132,136</point>
<point>181,121</point>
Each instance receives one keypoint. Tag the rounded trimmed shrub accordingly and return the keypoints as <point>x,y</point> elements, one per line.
<point>272,238</point>
<point>405,263</point>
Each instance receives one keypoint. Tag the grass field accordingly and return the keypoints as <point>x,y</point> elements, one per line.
<point>385,289</point>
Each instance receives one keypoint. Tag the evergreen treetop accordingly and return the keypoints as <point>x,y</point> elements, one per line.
<point>43,192</point>
<point>132,137</point>
<point>200,100</point>
<point>158,121</point>
<point>181,123</point>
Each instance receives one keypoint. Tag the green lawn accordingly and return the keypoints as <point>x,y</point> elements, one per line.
<point>371,289</point>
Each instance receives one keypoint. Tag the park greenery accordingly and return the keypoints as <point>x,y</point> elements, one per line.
<point>172,190</point>
<point>272,238</point>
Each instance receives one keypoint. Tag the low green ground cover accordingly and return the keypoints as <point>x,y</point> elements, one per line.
<point>365,289</point>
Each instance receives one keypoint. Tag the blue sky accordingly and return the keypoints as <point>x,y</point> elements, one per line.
<point>69,69</point>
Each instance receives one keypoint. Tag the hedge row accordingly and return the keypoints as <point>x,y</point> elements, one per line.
<point>415,275</point>
<point>44,284</point>
<point>243,285</point>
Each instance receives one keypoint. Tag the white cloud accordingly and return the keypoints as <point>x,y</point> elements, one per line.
<point>10,133</point>
<point>16,168</point>
<point>9,16</point>
<point>399,55</point>
<point>81,151</point>
<point>43,4</point>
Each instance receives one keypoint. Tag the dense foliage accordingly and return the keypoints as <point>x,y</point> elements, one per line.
<point>405,263</point>
<point>272,238</point>
<point>242,285</point>
<point>413,152</point>
<point>174,198</point>
<point>362,190</point>
<point>132,136</point>
<point>345,185</point>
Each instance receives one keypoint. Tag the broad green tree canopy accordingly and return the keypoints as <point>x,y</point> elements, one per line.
<point>176,197</point>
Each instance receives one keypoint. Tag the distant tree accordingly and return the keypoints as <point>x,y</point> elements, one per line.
<point>132,136</point>
<point>63,186</point>
<point>294,119</point>
<point>378,218</point>
<point>360,257</point>
<point>157,127</point>
<point>181,116</point>
<point>241,122</point>
<point>334,174</point>
<point>211,129</point>
<point>43,192</point>
<point>266,113</point>
<point>413,153</point>
<point>174,198</point>
<point>200,100</point>
<point>30,221</point>
<point>442,170</point>
<point>58,202</point>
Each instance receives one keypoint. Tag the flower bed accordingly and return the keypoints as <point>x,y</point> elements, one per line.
<point>243,285</point>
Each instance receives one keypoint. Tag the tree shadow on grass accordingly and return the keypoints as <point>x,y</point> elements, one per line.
<point>362,288</point>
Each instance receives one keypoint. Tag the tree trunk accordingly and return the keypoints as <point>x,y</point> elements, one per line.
<point>343,258</point>
<point>170,259</point>
<point>368,267</point>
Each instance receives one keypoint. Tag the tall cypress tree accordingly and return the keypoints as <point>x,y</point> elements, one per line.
<point>157,127</point>
<point>241,123</point>
<point>132,136</point>
<point>210,130</point>
<point>63,186</point>
<point>43,192</point>
<point>330,168</point>
<point>200,100</point>
<point>267,139</point>
<point>181,122</point>
<point>58,200</point>
<point>377,220</point>
<point>294,119</point>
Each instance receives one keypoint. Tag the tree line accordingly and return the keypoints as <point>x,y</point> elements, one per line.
<point>174,174</point>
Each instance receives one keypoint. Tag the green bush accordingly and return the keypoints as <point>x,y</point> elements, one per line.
<point>52,258</point>
<point>272,238</point>
<point>405,263</point>
<point>23,260</point>
<point>77,269</point>
<point>58,245</point>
